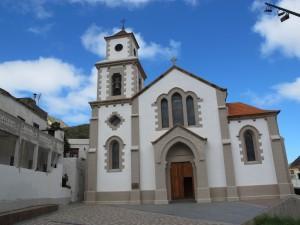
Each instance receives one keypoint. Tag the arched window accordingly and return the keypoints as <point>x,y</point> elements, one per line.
<point>249,144</point>
<point>116,84</point>
<point>115,155</point>
<point>164,113</point>
<point>190,111</point>
<point>177,109</point>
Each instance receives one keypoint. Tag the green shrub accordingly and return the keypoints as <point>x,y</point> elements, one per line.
<point>268,220</point>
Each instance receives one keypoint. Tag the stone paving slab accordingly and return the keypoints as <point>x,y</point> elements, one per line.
<point>110,215</point>
<point>227,212</point>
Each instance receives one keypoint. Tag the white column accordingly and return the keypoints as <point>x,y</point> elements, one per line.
<point>35,156</point>
<point>49,161</point>
<point>18,150</point>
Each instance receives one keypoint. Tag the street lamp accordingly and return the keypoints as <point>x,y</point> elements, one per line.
<point>285,13</point>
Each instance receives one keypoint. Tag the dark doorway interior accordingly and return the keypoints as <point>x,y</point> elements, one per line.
<point>188,187</point>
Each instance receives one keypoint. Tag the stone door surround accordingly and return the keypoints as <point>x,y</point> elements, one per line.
<point>196,144</point>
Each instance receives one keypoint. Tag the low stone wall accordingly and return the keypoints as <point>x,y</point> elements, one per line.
<point>289,207</point>
<point>12,217</point>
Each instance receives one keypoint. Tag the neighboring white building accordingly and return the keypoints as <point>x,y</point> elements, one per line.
<point>30,159</point>
<point>177,138</point>
<point>78,148</point>
<point>295,174</point>
<point>74,166</point>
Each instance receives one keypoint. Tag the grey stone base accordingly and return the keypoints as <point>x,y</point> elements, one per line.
<point>161,197</point>
<point>203,195</point>
<point>135,197</point>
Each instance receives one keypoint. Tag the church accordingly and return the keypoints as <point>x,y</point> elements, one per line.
<point>177,138</point>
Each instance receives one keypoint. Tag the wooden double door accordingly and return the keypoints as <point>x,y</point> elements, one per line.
<point>182,181</point>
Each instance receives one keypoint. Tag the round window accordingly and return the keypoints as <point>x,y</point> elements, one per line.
<point>118,47</point>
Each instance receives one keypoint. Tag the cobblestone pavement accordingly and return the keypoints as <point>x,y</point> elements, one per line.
<point>110,215</point>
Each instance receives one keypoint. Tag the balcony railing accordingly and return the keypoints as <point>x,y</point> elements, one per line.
<point>15,126</point>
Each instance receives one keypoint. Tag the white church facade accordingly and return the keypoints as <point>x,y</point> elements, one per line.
<point>177,138</point>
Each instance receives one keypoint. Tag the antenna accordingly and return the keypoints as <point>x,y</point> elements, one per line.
<point>37,97</point>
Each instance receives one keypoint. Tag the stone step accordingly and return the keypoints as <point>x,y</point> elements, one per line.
<point>14,216</point>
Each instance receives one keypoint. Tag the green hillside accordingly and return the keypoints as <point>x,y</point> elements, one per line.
<point>77,132</point>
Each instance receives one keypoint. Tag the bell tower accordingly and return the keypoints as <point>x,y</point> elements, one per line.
<point>120,74</point>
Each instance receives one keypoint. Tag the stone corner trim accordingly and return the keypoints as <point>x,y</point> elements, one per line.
<point>231,190</point>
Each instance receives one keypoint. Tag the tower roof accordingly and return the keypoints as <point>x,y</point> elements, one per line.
<point>123,33</point>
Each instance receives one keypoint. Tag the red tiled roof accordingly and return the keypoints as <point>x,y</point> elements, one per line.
<point>239,109</point>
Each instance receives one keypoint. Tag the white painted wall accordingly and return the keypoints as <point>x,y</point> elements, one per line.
<point>210,129</point>
<point>257,174</point>
<point>75,168</point>
<point>295,177</point>
<point>114,181</point>
<point>82,145</point>
<point>22,184</point>
<point>124,53</point>
<point>15,108</point>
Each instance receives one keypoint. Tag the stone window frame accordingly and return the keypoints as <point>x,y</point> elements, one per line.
<point>111,125</point>
<point>108,159</point>
<point>111,71</point>
<point>257,145</point>
<point>168,97</point>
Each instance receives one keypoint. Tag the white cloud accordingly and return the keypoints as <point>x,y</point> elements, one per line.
<point>35,7</point>
<point>65,90</point>
<point>40,30</point>
<point>40,9</point>
<point>290,90</point>
<point>129,3</point>
<point>283,37</point>
<point>115,3</point>
<point>280,92</point>
<point>93,41</point>
<point>263,100</point>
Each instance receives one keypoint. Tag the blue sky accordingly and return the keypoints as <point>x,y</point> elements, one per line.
<point>50,47</point>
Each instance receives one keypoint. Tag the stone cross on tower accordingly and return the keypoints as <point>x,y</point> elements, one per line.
<point>174,60</point>
<point>123,24</point>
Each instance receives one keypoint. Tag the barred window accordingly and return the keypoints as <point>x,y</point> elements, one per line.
<point>177,109</point>
<point>190,110</point>
<point>249,143</point>
<point>164,113</point>
<point>115,155</point>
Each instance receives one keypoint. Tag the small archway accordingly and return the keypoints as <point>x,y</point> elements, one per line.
<point>180,173</point>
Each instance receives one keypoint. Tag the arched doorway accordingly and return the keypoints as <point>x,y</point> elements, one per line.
<point>181,179</point>
<point>165,153</point>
